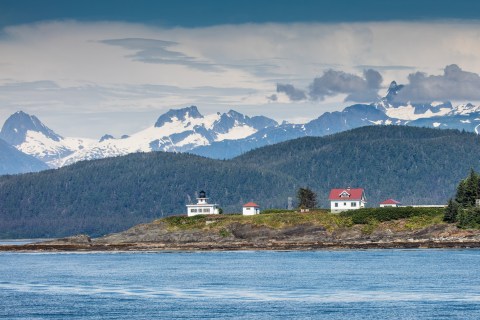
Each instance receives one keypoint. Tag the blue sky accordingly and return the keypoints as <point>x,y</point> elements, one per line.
<point>195,13</point>
<point>115,66</point>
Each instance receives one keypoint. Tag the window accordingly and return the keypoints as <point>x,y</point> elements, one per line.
<point>344,204</point>
<point>206,210</point>
<point>247,208</point>
<point>193,210</point>
<point>336,204</point>
<point>354,204</point>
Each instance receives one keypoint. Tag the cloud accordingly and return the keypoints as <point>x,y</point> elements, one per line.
<point>333,82</point>
<point>454,84</point>
<point>157,51</point>
<point>103,66</point>
<point>293,93</point>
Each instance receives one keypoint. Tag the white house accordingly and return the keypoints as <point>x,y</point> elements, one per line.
<point>389,203</point>
<point>251,208</point>
<point>346,199</point>
<point>202,206</point>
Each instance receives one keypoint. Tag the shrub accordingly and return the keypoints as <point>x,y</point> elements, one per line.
<point>469,218</point>
<point>365,215</point>
<point>276,211</point>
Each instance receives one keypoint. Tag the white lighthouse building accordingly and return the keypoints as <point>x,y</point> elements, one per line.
<point>202,206</point>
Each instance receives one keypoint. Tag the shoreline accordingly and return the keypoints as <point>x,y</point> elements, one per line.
<point>419,229</point>
<point>269,246</point>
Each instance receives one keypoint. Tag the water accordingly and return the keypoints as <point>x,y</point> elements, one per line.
<point>19,242</point>
<point>372,284</point>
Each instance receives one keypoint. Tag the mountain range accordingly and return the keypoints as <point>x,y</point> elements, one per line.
<point>225,135</point>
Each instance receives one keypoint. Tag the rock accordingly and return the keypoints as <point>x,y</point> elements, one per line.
<point>77,239</point>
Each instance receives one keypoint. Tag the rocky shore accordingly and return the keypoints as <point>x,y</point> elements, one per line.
<point>220,233</point>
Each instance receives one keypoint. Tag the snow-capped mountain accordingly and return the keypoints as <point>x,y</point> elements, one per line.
<point>413,111</point>
<point>355,116</point>
<point>177,131</point>
<point>435,114</point>
<point>29,135</point>
<point>230,134</point>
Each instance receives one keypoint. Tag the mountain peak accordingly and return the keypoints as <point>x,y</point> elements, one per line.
<point>15,128</point>
<point>393,90</point>
<point>180,114</point>
<point>106,137</point>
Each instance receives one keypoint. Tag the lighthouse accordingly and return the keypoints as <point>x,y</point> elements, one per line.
<point>202,206</point>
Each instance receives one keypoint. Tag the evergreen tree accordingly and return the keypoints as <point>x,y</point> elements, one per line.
<point>460,197</point>
<point>468,190</point>
<point>306,198</point>
<point>451,211</point>
<point>471,189</point>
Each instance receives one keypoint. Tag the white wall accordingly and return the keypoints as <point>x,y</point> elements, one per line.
<point>193,210</point>
<point>250,211</point>
<point>344,205</point>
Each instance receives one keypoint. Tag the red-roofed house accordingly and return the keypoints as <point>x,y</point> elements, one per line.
<point>251,208</point>
<point>347,199</point>
<point>389,203</point>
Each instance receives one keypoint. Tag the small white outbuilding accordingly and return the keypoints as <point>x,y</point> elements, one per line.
<point>250,209</point>
<point>389,203</point>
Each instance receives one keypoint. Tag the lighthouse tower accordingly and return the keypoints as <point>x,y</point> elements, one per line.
<point>202,206</point>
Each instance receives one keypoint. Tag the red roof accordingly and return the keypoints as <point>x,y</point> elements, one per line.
<point>251,204</point>
<point>350,194</point>
<point>390,201</point>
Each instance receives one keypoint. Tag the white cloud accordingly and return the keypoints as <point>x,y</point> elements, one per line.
<point>88,75</point>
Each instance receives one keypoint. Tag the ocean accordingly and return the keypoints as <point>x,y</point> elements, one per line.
<point>368,284</point>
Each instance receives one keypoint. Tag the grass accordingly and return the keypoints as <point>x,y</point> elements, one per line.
<point>369,219</point>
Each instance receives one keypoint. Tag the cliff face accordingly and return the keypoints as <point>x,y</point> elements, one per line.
<point>290,231</point>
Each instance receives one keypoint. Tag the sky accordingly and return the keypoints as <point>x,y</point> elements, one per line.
<point>87,68</point>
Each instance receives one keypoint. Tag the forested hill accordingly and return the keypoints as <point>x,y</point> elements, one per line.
<point>412,165</point>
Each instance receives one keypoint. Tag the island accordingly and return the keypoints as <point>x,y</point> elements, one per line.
<point>369,228</point>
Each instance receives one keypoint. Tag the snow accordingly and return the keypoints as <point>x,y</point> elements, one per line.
<point>465,121</point>
<point>408,113</point>
<point>378,122</point>
<point>237,132</point>
<point>46,149</point>
<point>195,139</point>
<point>436,124</point>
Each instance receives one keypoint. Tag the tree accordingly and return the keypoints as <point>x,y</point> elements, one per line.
<point>451,212</point>
<point>306,198</point>
<point>471,189</point>
<point>460,197</point>
<point>468,190</point>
